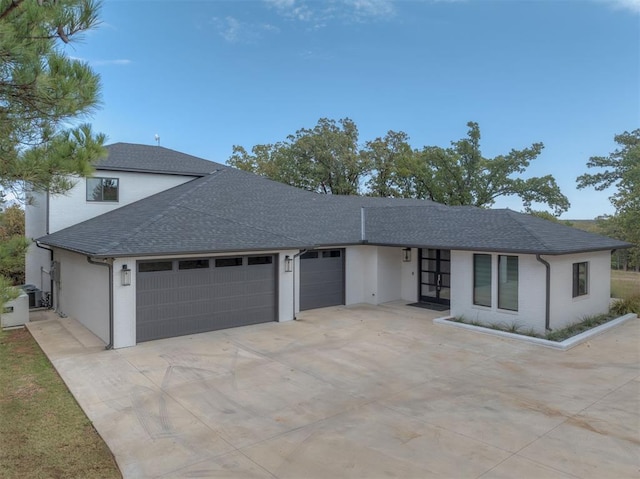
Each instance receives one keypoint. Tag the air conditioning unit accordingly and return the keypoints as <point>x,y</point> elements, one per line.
<point>35,295</point>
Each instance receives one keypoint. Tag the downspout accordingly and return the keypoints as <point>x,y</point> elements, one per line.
<point>547,305</point>
<point>293,268</point>
<point>50,275</point>
<point>108,262</point>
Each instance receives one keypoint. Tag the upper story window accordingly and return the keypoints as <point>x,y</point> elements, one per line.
<point>580,279</point>
<point>102,189</point>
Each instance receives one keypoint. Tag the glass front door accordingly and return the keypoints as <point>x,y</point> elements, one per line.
<point>435,276</point>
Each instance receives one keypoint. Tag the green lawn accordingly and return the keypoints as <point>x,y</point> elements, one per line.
<point>625,284</point>
<point>43,431</point>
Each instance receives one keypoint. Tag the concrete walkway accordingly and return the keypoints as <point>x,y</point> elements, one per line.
<point>357,392</point>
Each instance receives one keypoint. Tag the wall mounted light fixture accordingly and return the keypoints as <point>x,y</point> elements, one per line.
<point>406,255</point>
<point>288,264</point>
<point>125,276</point>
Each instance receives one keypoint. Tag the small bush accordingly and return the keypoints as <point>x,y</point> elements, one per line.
<point>626,306</point>
<point>588,322</point>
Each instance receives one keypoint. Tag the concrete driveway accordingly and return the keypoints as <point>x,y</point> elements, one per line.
<point>357,392</point>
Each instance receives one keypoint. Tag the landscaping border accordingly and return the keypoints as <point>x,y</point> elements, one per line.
<point>561,345</point>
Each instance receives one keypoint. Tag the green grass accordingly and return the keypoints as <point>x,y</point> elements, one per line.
<point>625,284</point>
<point>43,431</point>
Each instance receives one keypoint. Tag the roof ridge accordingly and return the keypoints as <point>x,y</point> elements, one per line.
<point>515,216</point>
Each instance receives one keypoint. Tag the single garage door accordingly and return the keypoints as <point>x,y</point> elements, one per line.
<point>187,296</point>
<point>321,279</point>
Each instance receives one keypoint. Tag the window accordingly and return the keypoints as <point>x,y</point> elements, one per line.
<point>508,282</point>
<point>253,260</point>
<point>193,264</point>
<point>225,262</point>
<point>102,189</point>
<point>151,266</point>
<point>309,255</point>
<point>580,279</point>
<point>334,253</point>
<point>482,279</point>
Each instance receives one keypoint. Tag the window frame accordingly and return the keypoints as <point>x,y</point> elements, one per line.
<point>89,194</point>
<point>575,287</point>
<point>503,281</point>
<point>476,301</point>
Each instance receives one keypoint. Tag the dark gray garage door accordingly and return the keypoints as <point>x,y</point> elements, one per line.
<point>321,279</point>
<point>177,297</point>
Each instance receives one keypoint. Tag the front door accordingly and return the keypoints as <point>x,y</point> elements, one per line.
<point>435,276</point>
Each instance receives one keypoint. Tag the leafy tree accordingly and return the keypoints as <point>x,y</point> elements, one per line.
<point>13,244</point>
<point>545,215</point>
<point>42,93</point>
<point>620,169</point>
<point>393,165</point>
<point>328,159</point>
<point>325,158</point>
<point>460,175</point>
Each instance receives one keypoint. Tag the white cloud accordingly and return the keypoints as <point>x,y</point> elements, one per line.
<point>632,5</point>
<point>120,61</point>
<point>319,13</point>
<point>236,31</point>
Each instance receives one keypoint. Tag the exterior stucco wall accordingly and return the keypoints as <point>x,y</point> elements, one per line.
<point>377,274</point>
<point>124,334</point>
<point>361,272</point>
<point>565,309</point>
<point>73,207</point>
<point>37,260</point>
<point>409,277</point>
<point>531,293</point>
<point>389,274</point>
<point>83,292</point>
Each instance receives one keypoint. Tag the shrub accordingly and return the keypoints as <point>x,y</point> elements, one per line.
<point>626,306</point>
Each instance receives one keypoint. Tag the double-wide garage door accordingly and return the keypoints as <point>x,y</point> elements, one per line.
<point>321,279</point>
<point>187,296</point>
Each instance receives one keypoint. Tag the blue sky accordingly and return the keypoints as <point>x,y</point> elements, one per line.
<point>206,75</point>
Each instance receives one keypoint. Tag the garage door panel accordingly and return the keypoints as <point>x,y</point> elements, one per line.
<point>188,301</point>
<point>321,279</point>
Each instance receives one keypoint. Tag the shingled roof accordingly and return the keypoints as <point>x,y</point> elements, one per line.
<point>476,229</point>
<point>231,210</point>
<point>154,159</point>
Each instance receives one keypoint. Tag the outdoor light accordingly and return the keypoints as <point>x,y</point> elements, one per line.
<point>406,255</point>
<point>125,275</point>
<point>288,264</point>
